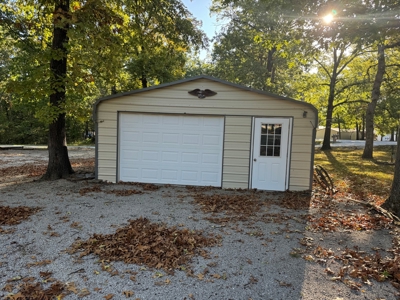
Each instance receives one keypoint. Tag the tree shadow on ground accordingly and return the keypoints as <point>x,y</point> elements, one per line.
<point>358,174</point>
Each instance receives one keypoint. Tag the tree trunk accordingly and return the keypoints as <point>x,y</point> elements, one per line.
<point>357,132</point>
<point>340,133</point>
<point>144,81</point>
<point>375,94</point>
<point>393,202</point>
<point>392,135</point>
<point>363,128</point>
<point>59,165</point>
<point>326,144</point>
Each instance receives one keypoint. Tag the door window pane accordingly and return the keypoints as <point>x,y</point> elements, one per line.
<point>263,151</point>
<point>270,140</point>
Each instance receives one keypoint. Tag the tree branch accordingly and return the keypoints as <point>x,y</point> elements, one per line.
<point>352,57</point>
<point>348,101</point>
<point>348,86</point>
<point>394,45</point>
<point>323,67</point>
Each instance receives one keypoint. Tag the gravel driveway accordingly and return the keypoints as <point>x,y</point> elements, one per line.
<point>271,252</point>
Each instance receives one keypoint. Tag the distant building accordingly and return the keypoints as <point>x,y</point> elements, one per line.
<point>345,134</point>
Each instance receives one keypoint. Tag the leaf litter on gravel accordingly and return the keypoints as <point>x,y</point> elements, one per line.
<point>98,189</point>
<point>15,215</point>
<point>142,242</point>
<point>39,168</point>
<point>29,289</point>
<point>356,263</point>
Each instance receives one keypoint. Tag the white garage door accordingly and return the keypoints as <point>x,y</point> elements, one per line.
<point>176,149</point>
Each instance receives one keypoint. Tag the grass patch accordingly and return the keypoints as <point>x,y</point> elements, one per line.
<point>85,142</point>
<point>363,179</point>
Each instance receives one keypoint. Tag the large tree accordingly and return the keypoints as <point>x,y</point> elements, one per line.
<point>393,202</point>
<point>59,165</point>
<point>259,46</point>
<point>378,24</point>
<point>336,84</point>
<point>69,48</point>
<point>375,96</point>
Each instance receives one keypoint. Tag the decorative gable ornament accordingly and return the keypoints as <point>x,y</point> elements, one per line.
<point>201,94</point>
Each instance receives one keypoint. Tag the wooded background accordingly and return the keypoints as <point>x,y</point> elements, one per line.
<point>348,68</point>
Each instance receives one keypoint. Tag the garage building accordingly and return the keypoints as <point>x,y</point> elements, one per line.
<point>206,132</point>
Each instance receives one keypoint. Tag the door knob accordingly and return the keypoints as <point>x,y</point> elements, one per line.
<point>255,159</point>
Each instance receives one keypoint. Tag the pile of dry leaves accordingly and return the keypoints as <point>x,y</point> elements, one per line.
<point>30,289</point>
<point>296,200</point>
<point>238,205</point>
<point>14,215</point>
<point>152,244</point>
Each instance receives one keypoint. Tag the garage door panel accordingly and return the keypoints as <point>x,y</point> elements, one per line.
<point>166,120</point>
<point>151,120</point>
<point>151,174</point>
<point>171,149</point>
<point>169,175</point>
<point>171,138</point>
<point>192,121</point>
<point>167,157</point>
<point>211,123</point>
<point>209,158</point>
<point>189,176</point>
<point>190,157</point>
<point>150,137</point>
<point>191,139</point>
<point>130,155</point>
<point>211,140</point>
<point>150,156</point>
<point>130,174</point>
<point>209,176</point>
<point>131,136</point>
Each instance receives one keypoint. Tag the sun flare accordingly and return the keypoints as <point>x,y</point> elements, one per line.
<point>328,18</point>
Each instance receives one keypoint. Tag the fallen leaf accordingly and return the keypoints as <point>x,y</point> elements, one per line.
<point>128,293</point>
<point>84,292</point>
<point>71,287</point>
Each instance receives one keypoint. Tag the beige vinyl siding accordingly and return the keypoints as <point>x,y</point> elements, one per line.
<point>236,152</point>
<point>238,105</point>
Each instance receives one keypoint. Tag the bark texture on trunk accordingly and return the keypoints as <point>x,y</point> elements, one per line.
<point>326,144</point>
<point>59,165</point>
<point>337,56</point>
<point>393,202</point>
<point>375,94</point>
<point>144,81</point>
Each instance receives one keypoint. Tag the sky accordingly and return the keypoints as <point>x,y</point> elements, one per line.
<point>201,11</point>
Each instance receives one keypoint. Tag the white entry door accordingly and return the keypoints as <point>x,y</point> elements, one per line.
<point>270,154</point>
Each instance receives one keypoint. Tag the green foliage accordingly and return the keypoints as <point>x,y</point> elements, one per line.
<point>195,67</point>
<point>258,46</point>
<point>113,46</point>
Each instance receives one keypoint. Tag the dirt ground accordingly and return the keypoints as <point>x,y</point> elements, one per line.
<point>81,238</point>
